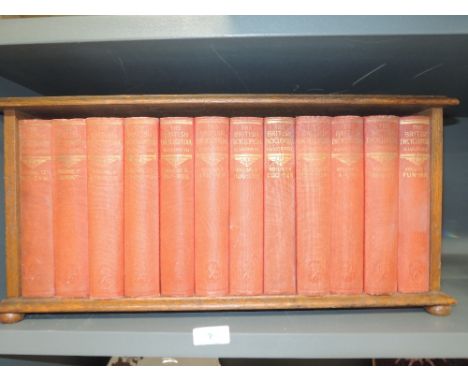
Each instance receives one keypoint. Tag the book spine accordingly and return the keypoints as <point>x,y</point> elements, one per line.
<point>347,259</point>
<point>414,205</point>
<point>141,206</point>
<point>211,206</point>
<point>246,206</point>
<point>177,206</point>
<point>105,206</point>
<point>71,208</point>
<point>381,204</point>
<point>36,208</point>
<point>313,198</point>
<point>279,213</point>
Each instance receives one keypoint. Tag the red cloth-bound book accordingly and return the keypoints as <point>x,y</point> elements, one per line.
<point>211,206</point>
<point>279,213</point>
<point>36,208</point>
<point>177,206</point>
<point>381,204</point>
<point>105,206</point>
<point>347,174</point>
<point>414,205</point>
<point>313,201</point>
<point>71,208</point>
<point>141,195</point>
<point>246,206</point>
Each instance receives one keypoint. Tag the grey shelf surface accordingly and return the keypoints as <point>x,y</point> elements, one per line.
<point>80,29</point>
<point>225,54</point>
<point>400,333</point>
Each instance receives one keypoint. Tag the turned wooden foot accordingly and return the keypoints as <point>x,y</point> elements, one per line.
<point>11,318</point>
<point>439,310</point>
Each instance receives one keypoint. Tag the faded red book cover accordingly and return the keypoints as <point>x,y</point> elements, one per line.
<point>36,208</point>
<point>246,206</point>
<point>279,214</point>
<point>211,206</point>
<point>71,208</point>
<point>347,173</point>
<point>381,135</point>
<point>105,206</point>
<point>414,205</point>
<point>313,202</point>
<point>141,206</point>
<point>177,206</point>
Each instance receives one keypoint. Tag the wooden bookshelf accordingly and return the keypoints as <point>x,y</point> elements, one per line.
<point>13,308</point>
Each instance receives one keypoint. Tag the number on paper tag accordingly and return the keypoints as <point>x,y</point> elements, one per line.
<point>211,335</point>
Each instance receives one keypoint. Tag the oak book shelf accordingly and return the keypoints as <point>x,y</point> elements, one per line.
<point>14,307</point>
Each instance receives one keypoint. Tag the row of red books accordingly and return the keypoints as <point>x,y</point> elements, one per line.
<point>179,206</point>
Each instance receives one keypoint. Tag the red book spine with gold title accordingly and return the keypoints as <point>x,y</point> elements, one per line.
<point>414,205</point>
<point>36,208</point>
<point>71,208</point>
<point>177,206</point>
<point>141,199</point>
<point>211,206</point>
<point>279,210</point>
<point>381,204</point>
<point>347,175</point>
<point>246,206</point>
<point>105,206</point>
<point>313,201</point>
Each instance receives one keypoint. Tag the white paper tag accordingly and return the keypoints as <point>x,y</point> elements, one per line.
<point>211,335</point>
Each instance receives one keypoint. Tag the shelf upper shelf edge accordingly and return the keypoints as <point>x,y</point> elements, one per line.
<point>221,104</point>
<point>258,99</point>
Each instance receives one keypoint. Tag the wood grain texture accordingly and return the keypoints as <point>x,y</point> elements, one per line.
<point>257,99</point>
<point>12,230</point>
<point>222,104</point>
<point>436,116</point>
<point>51,305</point>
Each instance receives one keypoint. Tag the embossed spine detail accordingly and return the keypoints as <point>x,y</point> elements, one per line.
<point>246,206</point>
<point>141,198</point>
<point>279,210</point>
<point>347,259</point>
<point>211,206</point>
<point>36,208</point>
<point>414,205</point>
<point>177,207</point>
<point>71,208</point>
<point>313,202</point>
<point>381,204</point>
<point>105,206</point>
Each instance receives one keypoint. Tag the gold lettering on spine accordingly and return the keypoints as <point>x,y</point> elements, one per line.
<point>413,145</point>
<point>176,150</point>
<point>246,144</point>
<point>280,163</point>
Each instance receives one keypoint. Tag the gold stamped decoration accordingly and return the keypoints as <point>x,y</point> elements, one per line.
<point>314,157</point>
<point>382,157</point>
<point>280,159</point>
<point>176,159</point>
<point>347,158</point>
<point>212,159</point>
<point>247,160</point>
<point>142,158</point>
<point>415,158</point>
<point>70,160</point>
<point>35,161</point>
